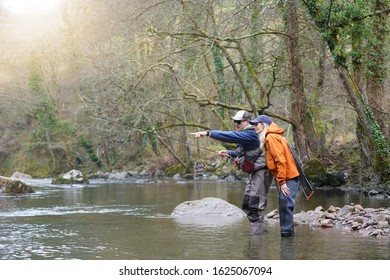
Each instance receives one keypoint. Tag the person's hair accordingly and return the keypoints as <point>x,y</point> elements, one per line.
<point>262,136</point>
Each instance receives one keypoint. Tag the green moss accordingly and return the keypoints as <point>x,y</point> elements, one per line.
<point>315,171</point>
<point>59,180</point>
<point>176,169</point>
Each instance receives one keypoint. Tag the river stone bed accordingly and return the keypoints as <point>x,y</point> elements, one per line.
<point>350,218</point>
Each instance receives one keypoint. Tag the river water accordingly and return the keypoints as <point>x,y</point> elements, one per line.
<point>128,220</point>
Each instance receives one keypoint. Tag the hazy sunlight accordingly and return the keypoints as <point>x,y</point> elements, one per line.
<point>30,6</point>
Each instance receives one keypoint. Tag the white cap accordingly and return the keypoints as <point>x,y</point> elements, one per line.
<point>242,115</point>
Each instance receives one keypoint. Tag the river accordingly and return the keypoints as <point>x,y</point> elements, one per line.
<point>129,220</point>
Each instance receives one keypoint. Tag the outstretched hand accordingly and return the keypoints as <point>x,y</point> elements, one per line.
<point>199,134</point>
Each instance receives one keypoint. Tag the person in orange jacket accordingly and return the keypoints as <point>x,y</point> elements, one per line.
<point>281,163</point>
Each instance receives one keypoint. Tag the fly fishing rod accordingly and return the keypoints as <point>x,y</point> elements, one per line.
<point>154,132</point>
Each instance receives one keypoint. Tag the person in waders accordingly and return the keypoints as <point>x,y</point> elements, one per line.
<point>248,157</point>
<point>281,163</point>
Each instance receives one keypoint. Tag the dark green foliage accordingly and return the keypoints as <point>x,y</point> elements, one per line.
<point>49,124</point>
<point>88,147</point>
<point>176,169</point>
<point>152,140</point>
<point>381,147</point>
<point>337,22</point>
<point>36,79</point>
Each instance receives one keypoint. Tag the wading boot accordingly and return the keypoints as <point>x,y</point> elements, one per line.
<point>257,228</point>
<point>289,233</point>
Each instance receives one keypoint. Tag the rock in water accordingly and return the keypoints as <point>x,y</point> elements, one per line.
<point>72,177</point>
<point>210,210</point>
<point>8,185</point>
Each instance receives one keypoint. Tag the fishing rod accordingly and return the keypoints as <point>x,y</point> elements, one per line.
<point>306,186</point>
<point>154,132</point>
<point>184,143</point>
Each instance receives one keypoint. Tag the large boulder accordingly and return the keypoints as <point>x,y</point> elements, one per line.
<point>72,177</point>
<point>11,186</point>
<point>20,176</point>
<point>337,179</point>
<point>210,211</point>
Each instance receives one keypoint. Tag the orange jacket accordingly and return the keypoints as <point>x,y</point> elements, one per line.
<point>280,161</point>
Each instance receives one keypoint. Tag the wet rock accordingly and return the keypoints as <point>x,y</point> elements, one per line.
<point>357,208</point>
<point>209,206</point>
<point>359,220</point>
<point>20,176</point>
<point>337,179</point>
<point>11,186</point>
<point>189,176</point>
<point>319,209</point>
<point>119,176</point>
<point>375,232</point>
<point>332,209</point>
<point>356,225</point>
<point>309,217</point>
<point>350,218</point>
<point>72,177</point>
<point>327,223</point>
<point>383,224</point>
<point>331,216</point>
<point>274,214</point>
<point>98,175</point>
<point>347,209</point>
<point>148,181</point>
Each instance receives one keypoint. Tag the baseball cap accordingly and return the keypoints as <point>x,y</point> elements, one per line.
<point>242,115</point>
<point>261,119</point>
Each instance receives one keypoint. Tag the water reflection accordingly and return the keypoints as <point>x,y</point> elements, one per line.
<point>132,221</point>
<point>287,248</point>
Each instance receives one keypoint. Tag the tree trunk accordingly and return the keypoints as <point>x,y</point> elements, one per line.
<point>299,111</point>
<point>316,139</point>
<point>374,146</point>
<point>377,70</point>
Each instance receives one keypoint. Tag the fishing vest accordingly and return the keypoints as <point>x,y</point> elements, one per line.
<point>246,160</point>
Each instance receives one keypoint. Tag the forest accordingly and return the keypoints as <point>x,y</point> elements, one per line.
<point>121,84</point>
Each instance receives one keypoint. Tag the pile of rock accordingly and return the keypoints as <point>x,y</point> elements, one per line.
<point>351,218</point>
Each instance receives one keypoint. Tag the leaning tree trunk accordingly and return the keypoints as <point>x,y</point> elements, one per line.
<point>373,145</point>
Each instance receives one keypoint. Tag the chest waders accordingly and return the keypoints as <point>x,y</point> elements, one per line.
<point>255,197</point>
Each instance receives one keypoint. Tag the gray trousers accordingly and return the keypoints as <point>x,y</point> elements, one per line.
<point>255,196</point>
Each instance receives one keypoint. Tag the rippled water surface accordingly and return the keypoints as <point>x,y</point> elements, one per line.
<point>128,220</point>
